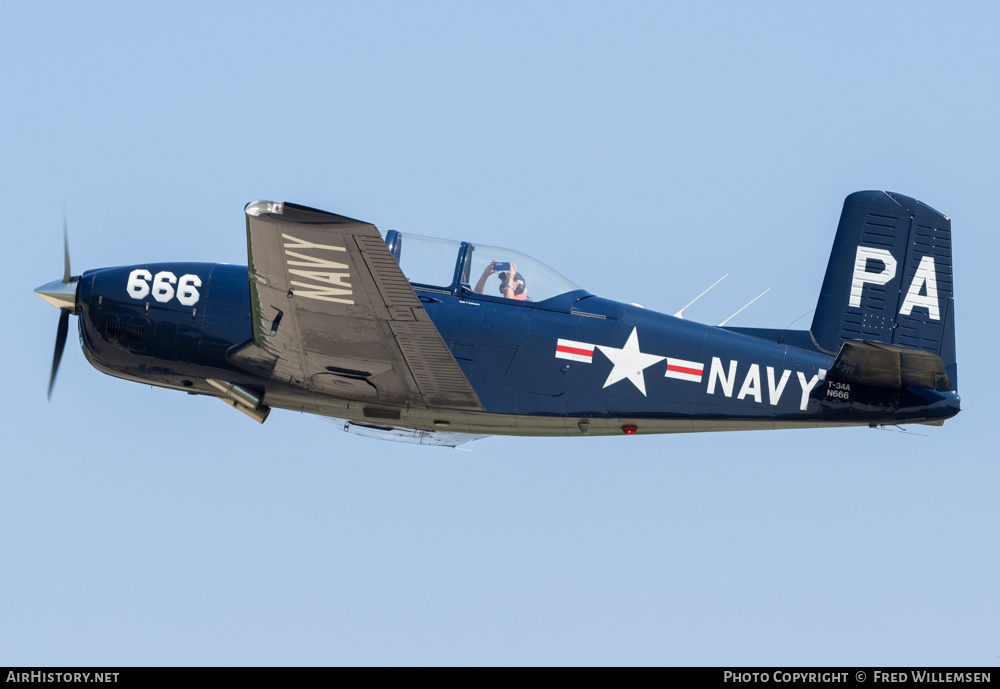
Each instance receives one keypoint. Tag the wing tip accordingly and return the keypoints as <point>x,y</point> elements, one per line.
<point>255,208</point>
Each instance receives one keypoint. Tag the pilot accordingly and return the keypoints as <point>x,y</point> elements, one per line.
<point>511,289</point>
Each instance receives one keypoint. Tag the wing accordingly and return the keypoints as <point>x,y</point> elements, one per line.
<point>333,312</point>
<point>409,435</point>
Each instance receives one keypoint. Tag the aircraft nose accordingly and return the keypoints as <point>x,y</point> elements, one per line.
<point>61,295</point>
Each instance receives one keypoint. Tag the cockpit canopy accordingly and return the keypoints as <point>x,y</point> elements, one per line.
<point>458,267</point>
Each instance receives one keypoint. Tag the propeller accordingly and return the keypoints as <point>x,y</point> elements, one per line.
<point>60,343</point>
<point>62,295</point>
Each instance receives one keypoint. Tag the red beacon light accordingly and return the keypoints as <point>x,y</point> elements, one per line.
<point>630,429</point>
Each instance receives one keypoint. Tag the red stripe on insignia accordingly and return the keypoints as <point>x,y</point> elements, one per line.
<point>573,350</point>
<point>681,369</point>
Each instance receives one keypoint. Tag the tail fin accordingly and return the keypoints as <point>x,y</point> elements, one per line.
<point>889,279</point>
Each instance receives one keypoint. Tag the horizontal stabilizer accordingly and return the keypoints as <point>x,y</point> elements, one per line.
<point>889,366</point>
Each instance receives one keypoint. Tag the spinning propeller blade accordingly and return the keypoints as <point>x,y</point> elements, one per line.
<point>60,343</point>
<point>62,295</point>
<point>66,274</point>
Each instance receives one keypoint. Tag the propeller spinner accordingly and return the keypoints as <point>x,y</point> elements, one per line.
<point>62,295</point>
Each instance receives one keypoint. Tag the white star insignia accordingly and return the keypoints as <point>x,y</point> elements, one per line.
<point>629,362</point>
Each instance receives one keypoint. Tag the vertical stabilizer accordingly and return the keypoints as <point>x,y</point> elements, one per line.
<point>889,279</point>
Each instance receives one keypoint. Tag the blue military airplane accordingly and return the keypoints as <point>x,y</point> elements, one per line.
<point>425,340</point>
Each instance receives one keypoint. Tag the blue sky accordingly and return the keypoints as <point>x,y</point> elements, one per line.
<point>643,150</point>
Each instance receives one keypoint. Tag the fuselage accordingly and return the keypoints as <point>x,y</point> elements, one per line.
<point>574,364</point>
